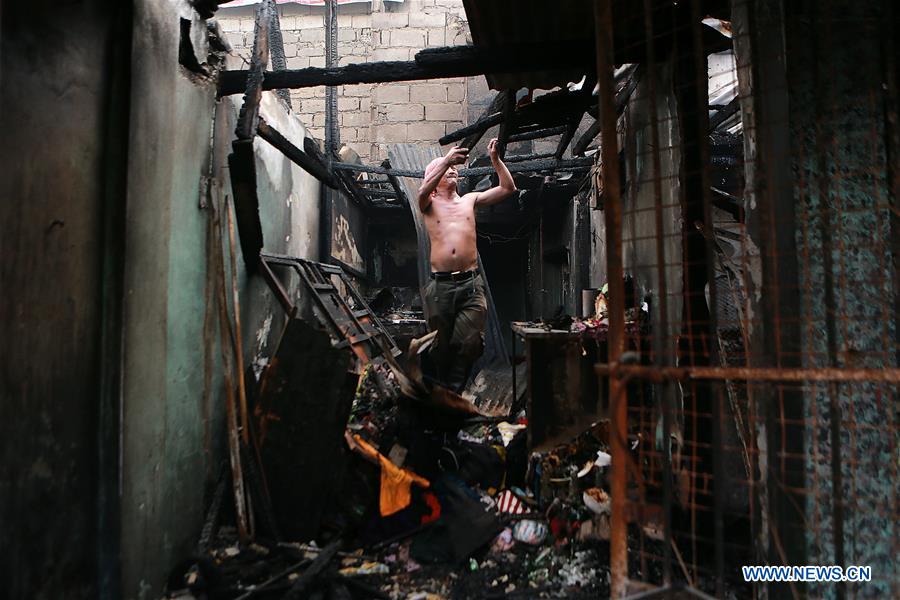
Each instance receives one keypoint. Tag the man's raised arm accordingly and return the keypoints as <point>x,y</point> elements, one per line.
<point>456,156</point>
<point>506,185</point>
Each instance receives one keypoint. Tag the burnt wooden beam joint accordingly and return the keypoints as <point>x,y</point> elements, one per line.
<point>432,63</point>
<point>248,120</point>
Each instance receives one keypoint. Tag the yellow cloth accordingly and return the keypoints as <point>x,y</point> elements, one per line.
<point>395,482</point>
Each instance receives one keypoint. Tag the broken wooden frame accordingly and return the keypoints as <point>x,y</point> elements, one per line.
<point>354,327</point>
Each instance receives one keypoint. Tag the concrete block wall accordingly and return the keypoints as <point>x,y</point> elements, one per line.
<point>372,116</point>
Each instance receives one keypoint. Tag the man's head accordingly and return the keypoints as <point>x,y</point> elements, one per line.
<point>448,181</point>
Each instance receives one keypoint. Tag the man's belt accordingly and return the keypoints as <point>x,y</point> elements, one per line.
<point>454,275</point>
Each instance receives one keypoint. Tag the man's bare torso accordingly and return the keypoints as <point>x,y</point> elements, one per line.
<point>451,228</point>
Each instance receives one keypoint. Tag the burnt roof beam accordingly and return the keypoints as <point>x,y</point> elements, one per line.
<point>432,63</point>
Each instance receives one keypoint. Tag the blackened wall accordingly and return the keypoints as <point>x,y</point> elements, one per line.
<point>61,104</point>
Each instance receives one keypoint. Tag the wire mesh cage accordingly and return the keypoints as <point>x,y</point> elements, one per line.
<point>749,191</point>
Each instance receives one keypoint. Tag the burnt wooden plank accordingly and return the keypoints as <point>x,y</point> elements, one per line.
<point>477,128</point>
<point>253,84</point>
<point>509,121</point>
<point>304,402</point>
<point>432,63</point>
<point>306,162</point>
<point>495,106</point>
<point>537,134</point>
<point>242,167</point>
<point>276,51</point>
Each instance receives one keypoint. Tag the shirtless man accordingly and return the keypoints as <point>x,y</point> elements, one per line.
<point>455,303</point>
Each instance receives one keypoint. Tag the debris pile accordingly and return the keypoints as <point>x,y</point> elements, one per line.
<point>417,494</point>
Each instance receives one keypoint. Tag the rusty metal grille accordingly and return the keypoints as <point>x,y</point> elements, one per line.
<point>748,194</point>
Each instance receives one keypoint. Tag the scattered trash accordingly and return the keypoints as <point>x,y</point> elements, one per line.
<point>508,431</point>
<point>367,568</point>
<point>508,502</point>
<point>530,532</point>
<point>597,500</point>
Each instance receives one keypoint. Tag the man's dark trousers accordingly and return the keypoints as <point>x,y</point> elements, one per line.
<point>457,309</point>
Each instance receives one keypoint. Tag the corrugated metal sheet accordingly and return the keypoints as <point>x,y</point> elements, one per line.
<point>495,23</point>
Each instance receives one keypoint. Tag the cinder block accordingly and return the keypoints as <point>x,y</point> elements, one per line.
<point>352,59</point>
<point>403,112</point>
<point>290,37</point>
<point>425,132</point>
<point>365,105</point>
<point>349,134</point>
<point>312,35</point>
<point>423,19</point>
<point>309,50</point>
<point>248,25</point>
<point>390,54</point>
<point>392,93</point>
<point>361,21</point>
<point>389,20</point>
<point>427,92</point>
<point>346,34</point>
<point>348,103</point>
<point>317,132</point>
<point>391,132</point>
<point>414,38</point>
<point>456,91</point>
<point>356,118</point>
<point>318,120</point>
<point>317,61</point>
<point>290,50</point>
<point>309,22</point>
<point>437,37</point>
<point>344,20</point>
<point>444,112</point>
<point>297,62</point>
<point>313,105</point>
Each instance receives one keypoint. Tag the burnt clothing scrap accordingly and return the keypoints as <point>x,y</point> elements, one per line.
<point>456,307</point>
<point>395,481</point>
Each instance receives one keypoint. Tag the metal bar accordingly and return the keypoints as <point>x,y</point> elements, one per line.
<point>238,341</point>
<point>661,332</point>
<point>749,373</point>
<point>703,127</point>
<point>618,555</point>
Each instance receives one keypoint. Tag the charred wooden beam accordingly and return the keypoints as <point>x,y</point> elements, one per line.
<point>509,121</point>
<point>566,138</point>
<point>395,183</point>
<point>380,193</point>
<point>308,163</point>
<point>537,134</point>
<point>276,51</point>
<point>248,119</point>
<point>494,107</point>
<point>622,97</point>
<point>432,63</point>
<point>724,113</point>
<point>478,127</point>
<point>514,158</point>
<point>520,167</point>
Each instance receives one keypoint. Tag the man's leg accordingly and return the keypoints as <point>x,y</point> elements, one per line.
<point>439,301</point>
<point>468,330</point>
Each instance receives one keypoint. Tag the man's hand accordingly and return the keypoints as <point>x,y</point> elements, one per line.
<point>493,151</point>
<point>507,186</point>
<point>456,156</point>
